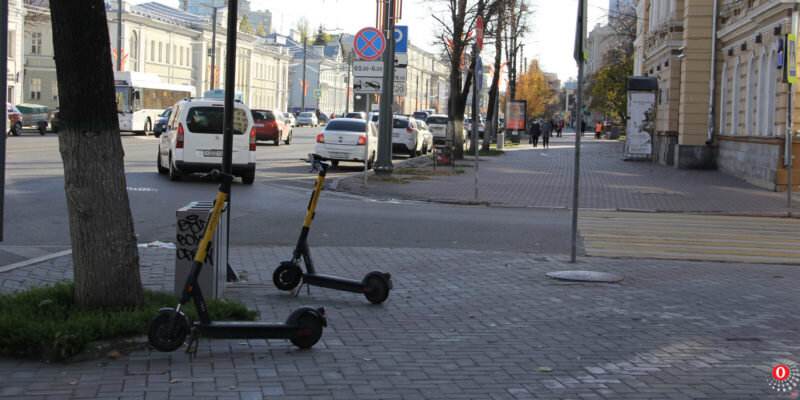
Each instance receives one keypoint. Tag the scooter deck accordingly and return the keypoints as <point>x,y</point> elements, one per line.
<point>249,330</point>
<point>334,282</point>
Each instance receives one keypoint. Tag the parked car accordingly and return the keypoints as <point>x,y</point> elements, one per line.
<point>307,119</point>
<point>14,120</point>
<point>34,116</point>
<point>427,136</point>
<point>374,117</point>
<point>437,124</point>
<point>358,115</point>
<point>406,136</point>
<point>270,125</point>
<point>161,122</point>
<point>345,140</point>
<point>290,119</point>
<point>55,122</point>
<point>192,140</point>
<point>421,115</point>
<point>481,126</point>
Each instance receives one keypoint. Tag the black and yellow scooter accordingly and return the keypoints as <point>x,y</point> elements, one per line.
<point>375,286</point>
<point>169,329</point>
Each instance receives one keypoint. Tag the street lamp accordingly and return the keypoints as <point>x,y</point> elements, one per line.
<point>213,41</point>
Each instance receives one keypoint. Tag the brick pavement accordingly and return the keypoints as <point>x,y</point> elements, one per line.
<point>535,177</point>
<point>462,324</point>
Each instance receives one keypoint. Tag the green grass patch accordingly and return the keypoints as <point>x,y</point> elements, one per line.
<point>45,323</point>
<point>494,145</point>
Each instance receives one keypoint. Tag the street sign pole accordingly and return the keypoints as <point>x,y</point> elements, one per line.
<point>476,117</point>
<point>580,58</point>
<point>384,165</point>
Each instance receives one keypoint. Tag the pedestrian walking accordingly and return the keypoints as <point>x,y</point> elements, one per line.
<point>535,132</point>
<point>560,127</point>
<point>598,130</point>
<point>547,129</point>
<point>582,127</point>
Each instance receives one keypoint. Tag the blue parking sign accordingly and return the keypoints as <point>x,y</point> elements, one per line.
<point>400,39</point>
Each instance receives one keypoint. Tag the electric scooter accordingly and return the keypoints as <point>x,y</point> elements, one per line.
<point>375,286</point>
<point>169,329</point>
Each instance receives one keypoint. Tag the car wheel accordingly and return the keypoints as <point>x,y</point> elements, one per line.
<point>161,170</point>
<point>249,177</point>
<point>289,138</point>
<point>174,174</point>
<point>278,139</point>
<point>147,126</point>
<point>17,129</point>
<point>42,128</point>
<point>371,162</point>
<point>335,163</point>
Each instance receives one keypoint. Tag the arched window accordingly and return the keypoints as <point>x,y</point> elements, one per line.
<point>750,93</point>
<point>761,99</point>
<point>772,79</point>
<point>133,51</point>
<point>735,97</point>
<point>723,98</point>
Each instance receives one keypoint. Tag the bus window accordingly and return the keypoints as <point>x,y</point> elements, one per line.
<point>123,96</point>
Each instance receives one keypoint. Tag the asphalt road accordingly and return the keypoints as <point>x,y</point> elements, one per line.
<point>269,212</point>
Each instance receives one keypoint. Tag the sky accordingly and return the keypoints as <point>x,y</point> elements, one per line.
<point>551,39</point>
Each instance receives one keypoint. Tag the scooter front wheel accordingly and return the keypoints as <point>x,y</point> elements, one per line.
<point>310,331</point>
<point>287,276</point>
<point>378,290</point>
<point>167,334</point>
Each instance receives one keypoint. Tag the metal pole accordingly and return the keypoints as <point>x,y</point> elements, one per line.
<point>476,118</point>
<point>303,83</point>
<point>347,89</point>
<point>227,119</point>
<point>213,48</point>
<point>3,100</point>
<point>119,36</point>
<point>366,146</point>
<point>789,152</point>
<point>577,167</point>
<point>384,166</point>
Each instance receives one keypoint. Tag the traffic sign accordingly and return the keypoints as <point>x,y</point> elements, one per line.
<point>366,85</point>
<point>399,89</point>
<point>375,69</point>
<point>317,93</point>
<point>479,32</point>
<point>400,39</point>
<point>369,43</point>
<point>400,59</point>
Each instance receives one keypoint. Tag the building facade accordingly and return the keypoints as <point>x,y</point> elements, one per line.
<point>733,117</point>
<point>16,59</point>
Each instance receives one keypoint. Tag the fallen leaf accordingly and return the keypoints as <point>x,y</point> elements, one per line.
<point>544,369</point>
<point>231,387</point>
<point>73,383</point>
<point>175,381</point>
<point>113,354</point>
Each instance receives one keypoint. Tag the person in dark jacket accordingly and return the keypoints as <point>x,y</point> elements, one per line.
<point>547,129</point>
<point>535,131</point>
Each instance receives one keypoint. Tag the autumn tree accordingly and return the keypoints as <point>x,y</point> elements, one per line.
<point>104,253</point>
<point>303,28</point>
<point>260,29</point>
<point>536,90</point>
<point>321,37</point>
<point>245,26</point>
<point>608,91</point>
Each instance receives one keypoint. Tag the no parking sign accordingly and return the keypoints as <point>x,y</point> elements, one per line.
<point>369,43</point>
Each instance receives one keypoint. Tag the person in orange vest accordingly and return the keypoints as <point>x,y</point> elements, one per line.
<point>598,130</point>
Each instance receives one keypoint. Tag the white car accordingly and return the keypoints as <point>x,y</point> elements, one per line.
<point>192,140</point>
<point>346,139</point>
<point>307,118</point>
<point>290,119</point>
<point>406,136</point>
<point>426,134</point>
<point>437,124</point>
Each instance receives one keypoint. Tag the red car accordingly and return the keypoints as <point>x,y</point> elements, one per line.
<point>14,120</point>
<point>271,125</point>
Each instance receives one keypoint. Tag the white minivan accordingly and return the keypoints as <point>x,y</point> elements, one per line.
<point>192,140</point>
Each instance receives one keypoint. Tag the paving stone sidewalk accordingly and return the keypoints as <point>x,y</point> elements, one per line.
<point>462,325</point>
<point>535,177</point>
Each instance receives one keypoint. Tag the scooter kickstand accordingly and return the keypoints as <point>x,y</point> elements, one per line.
<point>194,339</point>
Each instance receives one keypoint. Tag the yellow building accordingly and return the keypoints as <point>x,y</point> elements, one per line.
<point>734,118</point>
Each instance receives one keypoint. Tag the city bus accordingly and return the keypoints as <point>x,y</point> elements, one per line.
<point>141,97</point>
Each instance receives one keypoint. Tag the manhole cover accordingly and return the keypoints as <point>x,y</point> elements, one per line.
<point>585,276</point>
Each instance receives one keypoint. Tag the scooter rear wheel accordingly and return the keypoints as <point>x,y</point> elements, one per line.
<point>378,292</point>
<point>311,327</point>
<point>162,338</point>
<point>287,276</point>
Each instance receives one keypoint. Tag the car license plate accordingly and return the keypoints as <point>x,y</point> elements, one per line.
<point>341,156</point>
<point>395,134</point>
<point>212,153</point>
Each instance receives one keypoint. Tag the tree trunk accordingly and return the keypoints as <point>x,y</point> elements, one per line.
<point>495,87</point>
<point>104,253</point>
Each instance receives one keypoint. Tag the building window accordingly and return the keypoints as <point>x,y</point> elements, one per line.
<point>723,99</point>
<point>166,56</point>
<point>160,51</point>
<point>750,93</point>
<point>10,44</point>
<point>763,78</point>
<point>181,56</point>
<point>152,50</point>
<point>735,99</point>
<point>36,42</point>
<point>771,88</point>
<point>55,90</point>
<point>133,51</point>
<point>36,89</point>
